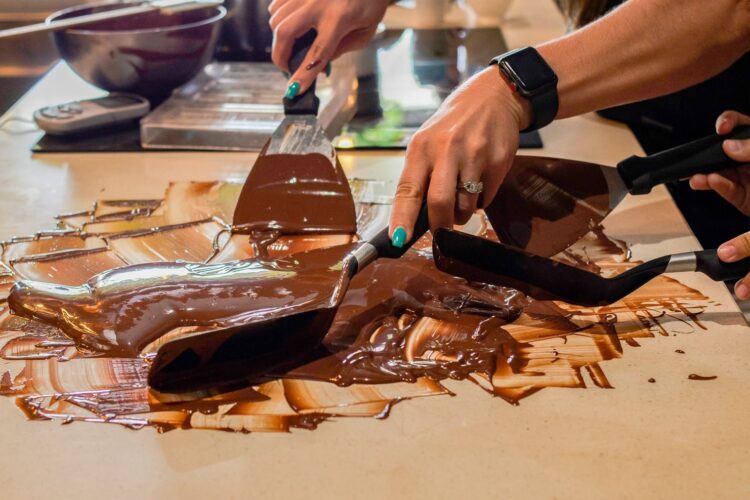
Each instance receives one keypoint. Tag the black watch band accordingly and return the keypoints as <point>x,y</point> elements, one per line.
<point>531,76</point>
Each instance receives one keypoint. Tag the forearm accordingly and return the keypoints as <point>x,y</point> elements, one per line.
<point>645,49</point>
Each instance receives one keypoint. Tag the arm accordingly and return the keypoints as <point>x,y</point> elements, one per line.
<point>647,48</point>
<point>643,49</point>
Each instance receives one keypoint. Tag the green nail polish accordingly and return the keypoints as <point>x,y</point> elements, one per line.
<point>399,237</point>
<point>292,91</point>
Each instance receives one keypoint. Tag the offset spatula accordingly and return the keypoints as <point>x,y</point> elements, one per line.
<point>546,204</point>
<point>297,184</point>
<point>546,279</point>
<point>225,360</point>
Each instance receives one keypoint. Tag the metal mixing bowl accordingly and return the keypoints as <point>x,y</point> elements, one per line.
<point>147,54</point>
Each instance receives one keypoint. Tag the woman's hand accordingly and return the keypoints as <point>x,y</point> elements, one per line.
<point>732,251</point>
<point>342,26</point>
<point>733,185</point>
<point>472,137</point>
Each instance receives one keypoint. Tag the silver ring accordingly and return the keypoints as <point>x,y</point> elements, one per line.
<point>472,187</point>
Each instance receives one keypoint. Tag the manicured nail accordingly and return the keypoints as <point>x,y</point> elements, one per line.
<point>726,252</point>
<point>292,91</point>
<point>734,146</point>
<point>742,291</point>
<point>399,237</point>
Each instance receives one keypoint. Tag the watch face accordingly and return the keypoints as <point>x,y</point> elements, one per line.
<point>530,72</point>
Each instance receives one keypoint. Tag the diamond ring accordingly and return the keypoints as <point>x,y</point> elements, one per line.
<point>472,187</point>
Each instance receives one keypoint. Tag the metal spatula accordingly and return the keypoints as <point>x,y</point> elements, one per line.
<point>547,204</point>
<point>131,9</point>
<point>297,184</point>
<point>482,260</point>
<point>224,360</point>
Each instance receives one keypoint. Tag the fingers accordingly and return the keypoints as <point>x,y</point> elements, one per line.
<point>730,187</point>
<point>284,10</point>
<point>738,150</point>
<point>730,119</point>
<point>735,149</point>
<point>742,288</point>
<point>732,251</point>
<point>466,203</point>
<point>441,194</point>
<point>735,249</point>
<point>318,56</point>
<point>410,193</point>
<point>699,182</point>
<point>286,32</point>
<point>355,40</point>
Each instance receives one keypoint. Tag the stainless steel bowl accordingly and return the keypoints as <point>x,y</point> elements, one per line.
<point>147,54</point>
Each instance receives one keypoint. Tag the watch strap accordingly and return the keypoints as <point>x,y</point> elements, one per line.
<point>544,101</point>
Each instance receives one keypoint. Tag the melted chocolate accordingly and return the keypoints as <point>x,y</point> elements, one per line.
<point>401,328</point>
<point>122,310</point>
<point>693,376</point>
<point>296,194</point>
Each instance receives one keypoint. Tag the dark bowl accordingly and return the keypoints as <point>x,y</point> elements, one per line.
<point>147,54</point>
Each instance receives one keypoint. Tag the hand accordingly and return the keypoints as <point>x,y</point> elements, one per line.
<point>732,251</point>
<point>342,26</point>
<point>734,184</point>
<point>473,136</point>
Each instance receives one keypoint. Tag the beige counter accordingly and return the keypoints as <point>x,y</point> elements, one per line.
<point>675,438</point>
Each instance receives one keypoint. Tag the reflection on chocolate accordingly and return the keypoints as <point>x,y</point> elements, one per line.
<point>316,200</point>
<point>122,310</point>
<point>693,376</point>
<point>402,327</point>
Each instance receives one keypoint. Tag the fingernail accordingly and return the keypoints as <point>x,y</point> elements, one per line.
<point>741,290</point>
<point>726,252</point>
<point>734,146</point>
<point>399,237</point>
<point>720,124</point>
<point>292,90</point>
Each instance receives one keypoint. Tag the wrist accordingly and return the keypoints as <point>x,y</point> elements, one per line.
<point>520,106</point>
<point>499,91</point>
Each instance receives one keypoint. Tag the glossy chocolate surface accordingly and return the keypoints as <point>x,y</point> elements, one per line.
<point>401,328</point>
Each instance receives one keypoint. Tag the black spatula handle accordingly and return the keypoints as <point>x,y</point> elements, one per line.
<point>702,156</point>
<point>709,264</point>
<point>307,103</point>
<point>382,242</point>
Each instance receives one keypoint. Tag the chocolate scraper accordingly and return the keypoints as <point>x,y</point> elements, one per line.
<point>546,279</point>
<point>546,204</point>
<point>297,184</point>
<point>231,358</point>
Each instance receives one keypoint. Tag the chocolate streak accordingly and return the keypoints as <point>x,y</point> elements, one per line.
<point>401,328</point>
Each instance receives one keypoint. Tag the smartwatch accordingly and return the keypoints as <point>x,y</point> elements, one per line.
<point>531,76</point>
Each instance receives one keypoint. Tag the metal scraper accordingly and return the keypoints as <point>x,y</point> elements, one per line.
<point>297,184</point>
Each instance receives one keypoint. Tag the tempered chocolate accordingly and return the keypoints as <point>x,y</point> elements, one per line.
<point>402,327</point>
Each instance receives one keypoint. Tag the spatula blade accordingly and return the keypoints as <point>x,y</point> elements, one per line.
<point>546,204</point>
<point>297,184</point>
<point>481,260</point>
